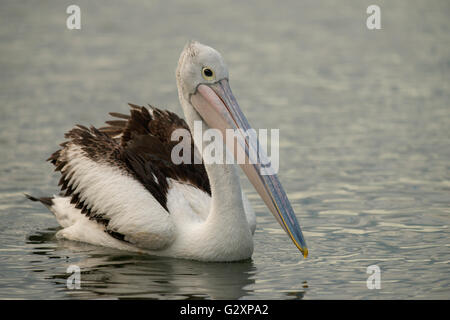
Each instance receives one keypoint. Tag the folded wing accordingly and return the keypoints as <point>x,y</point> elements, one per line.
<point>118,175</point>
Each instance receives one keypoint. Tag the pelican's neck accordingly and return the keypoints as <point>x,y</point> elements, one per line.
<point>224,180</point>
<point>225,232</point>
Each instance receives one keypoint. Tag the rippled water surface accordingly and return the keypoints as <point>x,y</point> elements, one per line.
<point>364,121</point>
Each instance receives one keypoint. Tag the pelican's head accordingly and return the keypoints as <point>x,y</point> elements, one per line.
<point>202,79</point>
<point>199,64</point>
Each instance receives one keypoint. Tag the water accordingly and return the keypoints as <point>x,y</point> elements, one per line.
<point>364,122</point>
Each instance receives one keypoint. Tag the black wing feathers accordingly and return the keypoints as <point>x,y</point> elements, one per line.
<point>139,145</point>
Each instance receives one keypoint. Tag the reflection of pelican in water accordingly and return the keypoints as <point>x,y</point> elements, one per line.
<point>111,273</point>
<point>122,189</point>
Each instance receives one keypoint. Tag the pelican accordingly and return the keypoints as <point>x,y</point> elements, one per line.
<point>120,189</point>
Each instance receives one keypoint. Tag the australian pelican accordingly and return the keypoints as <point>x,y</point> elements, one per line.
<point>120,189</point>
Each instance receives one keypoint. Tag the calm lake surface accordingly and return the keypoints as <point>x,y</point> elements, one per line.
<point>364,121</point>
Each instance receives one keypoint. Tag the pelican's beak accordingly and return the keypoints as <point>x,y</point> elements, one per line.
<point>219,109</point>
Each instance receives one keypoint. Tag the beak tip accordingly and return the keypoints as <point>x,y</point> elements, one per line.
<point>305,252</point>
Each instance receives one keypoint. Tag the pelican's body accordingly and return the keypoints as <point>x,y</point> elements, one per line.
<point>185,232</point>
<point>122,189</point>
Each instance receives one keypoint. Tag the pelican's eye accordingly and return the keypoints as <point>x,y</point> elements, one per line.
<point>207,73</point>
